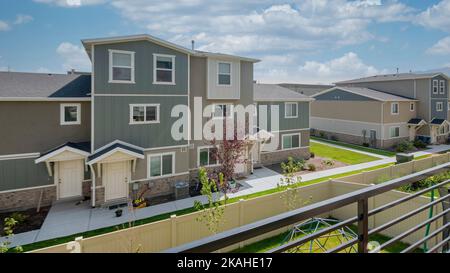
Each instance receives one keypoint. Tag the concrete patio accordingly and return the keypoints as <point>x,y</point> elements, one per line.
<point>67,218</point>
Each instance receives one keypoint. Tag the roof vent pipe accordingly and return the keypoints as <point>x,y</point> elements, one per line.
<point>193,44</point>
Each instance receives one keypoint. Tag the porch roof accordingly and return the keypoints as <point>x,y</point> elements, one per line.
<point>80,148</point>
<point>438,122</point>
<point>417,121</point>
<point>109,150</point>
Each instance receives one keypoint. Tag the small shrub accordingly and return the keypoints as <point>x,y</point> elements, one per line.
<point>328,163</point>
<point>404,146</point>
<point>311,167</point>
<point>312,155</point>
<point>365,144</point>
<point>334,138</point>
<point>322,135</point>
<point>19,217</point>
<point>419,144</point>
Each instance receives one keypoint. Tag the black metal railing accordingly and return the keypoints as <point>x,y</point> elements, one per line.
<point>361,198</point>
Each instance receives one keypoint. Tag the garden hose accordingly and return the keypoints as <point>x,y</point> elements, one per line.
<point>430,215</point>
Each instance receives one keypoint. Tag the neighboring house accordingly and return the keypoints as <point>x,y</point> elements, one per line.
<point>306,89</point>
<point>293,126</point>
<point>108,136</point>
<point>364,116</point>
<point>412,106</point>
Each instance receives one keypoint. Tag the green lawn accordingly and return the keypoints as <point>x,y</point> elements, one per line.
<point>341,155</point>
<point>357,147</point>
<point>332,242</point>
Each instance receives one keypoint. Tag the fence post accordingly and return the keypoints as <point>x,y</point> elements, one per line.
<point>363,225</point>
<point>241,218</point>
<point>75,246</point>
<point>173,224</point>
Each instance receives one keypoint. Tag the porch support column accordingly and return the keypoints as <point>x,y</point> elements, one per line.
<point>93,185</point>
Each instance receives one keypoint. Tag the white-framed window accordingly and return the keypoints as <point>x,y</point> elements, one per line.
<point>121,66</point>
<point>222,110</point>
<point>442,87</point>
<point>442,130</point>
<point>412,106</point>
<point>223,73</point>
<point>290,110</point>
<point>291,141</point>
<point>394,132</point>
<point>394,108</point>
<point>160,165</point>
<point>70,113</point>
<point>435,86</point>
<point>163,69</point>
<point>144,113</point>
<point>207,156</point>
<point>439,106</point>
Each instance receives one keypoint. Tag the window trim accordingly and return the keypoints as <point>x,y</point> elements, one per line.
<point>412,106</point>
<point>390,130</point>
<point>62,113</point>
<point>293,148</point>
<point>222,117</point>
<point>441,87</point>
<point>155,57</point>
<point>296,112</point>
<point>198,156</point>
<point>230,74</point>
<point>158,120</point>
<point>132,54</point>
<point>435,85</point>
<point>448,106</point>
<point>160,155</point>
<point>392,108</point>
<point>442,106</point>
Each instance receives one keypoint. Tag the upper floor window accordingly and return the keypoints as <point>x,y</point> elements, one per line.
<point>394,108</point>
<point>144,113</point>
<point>121,66</point>
<point>442,87</point>
<point>223,111</point>
<point>163,69</point>
<point>224,73</point>
<point>412,106</point>
<point>290,110</point>
<point>161,164</point>
<point>435,86</point>
<point>439,106</point>
<point>70,114</point>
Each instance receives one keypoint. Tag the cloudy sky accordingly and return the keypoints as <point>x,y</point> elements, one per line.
<point>307,41</point>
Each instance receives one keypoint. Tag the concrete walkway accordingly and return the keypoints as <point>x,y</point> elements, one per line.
<point>67,218</point>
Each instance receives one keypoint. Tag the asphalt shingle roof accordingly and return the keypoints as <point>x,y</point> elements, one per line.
<point>273,92</point>
<point>83,146</point>
<point>38,85</point>
<point>370,93</point>
<point>391,77</point>
<point>437,121</point>
<point>112,147</point>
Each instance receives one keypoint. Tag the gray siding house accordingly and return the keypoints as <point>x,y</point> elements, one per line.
<point>107,135</point>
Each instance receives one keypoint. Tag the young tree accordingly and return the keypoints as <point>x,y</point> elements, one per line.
<point>213,210</point>
<point>9,224</point>
<point>288,182</point>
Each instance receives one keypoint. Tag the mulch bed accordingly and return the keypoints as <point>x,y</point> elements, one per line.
<point>317,161</point>
<point>34,220</point>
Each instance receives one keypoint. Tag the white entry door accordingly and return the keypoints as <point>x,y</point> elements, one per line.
<point>70,177</point>
<point>116,178</point>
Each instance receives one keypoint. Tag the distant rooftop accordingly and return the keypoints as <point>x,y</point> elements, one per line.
<point>40,85</point>
<point>369,93</point>
<point>306,89</point>
<point>273,92</point>
<point>392,77</point>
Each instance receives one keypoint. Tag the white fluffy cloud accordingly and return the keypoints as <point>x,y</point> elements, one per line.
<point>442,47</point>
<point>71,3</point>
<point>74,57</point>
<point>345,67</point>
<point>437,16</point>
<point>4,26</point>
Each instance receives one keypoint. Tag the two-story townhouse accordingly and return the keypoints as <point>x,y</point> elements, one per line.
<point>291,131</point>
<point>431,92</point>
<point>364,116</point>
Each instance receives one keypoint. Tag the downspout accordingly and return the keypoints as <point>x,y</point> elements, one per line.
<point>93,176</point>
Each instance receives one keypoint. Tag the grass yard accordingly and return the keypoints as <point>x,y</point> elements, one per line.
<point>330,243</point>
<point>357,147</point>
<point>341,155</point>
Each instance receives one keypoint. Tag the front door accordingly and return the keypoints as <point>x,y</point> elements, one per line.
<point>373,138</point>
<point>116,177</point>
<point>70,177</point>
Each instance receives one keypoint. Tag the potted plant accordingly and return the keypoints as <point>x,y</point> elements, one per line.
<point>139,203</point>
<point>232,184</point>
<point>118,212</point>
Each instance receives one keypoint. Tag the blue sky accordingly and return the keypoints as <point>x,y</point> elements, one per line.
<point>308,41</point>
